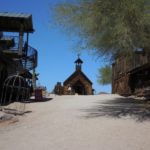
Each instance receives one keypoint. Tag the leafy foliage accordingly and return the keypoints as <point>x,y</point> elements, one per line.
<point>110,27</point>
<point>105,75</point>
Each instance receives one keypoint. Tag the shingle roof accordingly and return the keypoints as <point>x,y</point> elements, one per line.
<point>78,61</point>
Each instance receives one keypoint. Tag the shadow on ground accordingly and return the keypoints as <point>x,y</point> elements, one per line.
<point>28,101</point>
<point>121,107</point>
<point>37,101</point>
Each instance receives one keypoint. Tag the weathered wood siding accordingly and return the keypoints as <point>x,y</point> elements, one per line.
<point>87,85</point>
<point>125,74</point>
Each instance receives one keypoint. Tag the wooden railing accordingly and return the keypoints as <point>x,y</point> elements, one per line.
<point>9,46</point>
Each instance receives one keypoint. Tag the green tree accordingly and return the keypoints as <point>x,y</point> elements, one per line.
<point>109,27</point>
<point>105,75</point>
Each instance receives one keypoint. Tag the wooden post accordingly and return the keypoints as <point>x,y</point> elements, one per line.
<point>20,40</point>
<point>34,79</point>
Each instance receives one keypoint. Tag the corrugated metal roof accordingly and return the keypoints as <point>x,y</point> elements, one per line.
<point>12,22</point>
<point>16,15</point>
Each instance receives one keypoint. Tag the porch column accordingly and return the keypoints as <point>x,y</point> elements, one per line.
<point>20,40</point>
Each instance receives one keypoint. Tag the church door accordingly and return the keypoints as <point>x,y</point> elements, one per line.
<point>79,88</point>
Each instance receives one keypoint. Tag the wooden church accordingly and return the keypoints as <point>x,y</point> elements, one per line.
<point>76,83</point>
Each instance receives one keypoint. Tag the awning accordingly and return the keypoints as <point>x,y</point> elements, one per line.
<point>12,22</point>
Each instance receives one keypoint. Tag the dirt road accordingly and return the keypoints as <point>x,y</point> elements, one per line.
<point>104,122</point>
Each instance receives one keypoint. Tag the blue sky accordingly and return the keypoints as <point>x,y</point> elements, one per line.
<point>56,51</point>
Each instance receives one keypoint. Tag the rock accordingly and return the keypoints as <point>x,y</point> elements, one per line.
<point>6,117</point>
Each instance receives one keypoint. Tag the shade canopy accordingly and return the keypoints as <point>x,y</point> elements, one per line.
<point>13,22</point>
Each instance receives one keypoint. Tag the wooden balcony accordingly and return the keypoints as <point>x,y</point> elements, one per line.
<point>9,47</point>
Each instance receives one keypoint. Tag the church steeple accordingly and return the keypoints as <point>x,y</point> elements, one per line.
<point>78,63</point>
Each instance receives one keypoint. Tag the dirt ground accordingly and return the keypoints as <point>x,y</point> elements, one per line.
<point>100,122</point>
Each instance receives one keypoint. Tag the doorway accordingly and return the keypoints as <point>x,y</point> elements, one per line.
<point>79,88</point>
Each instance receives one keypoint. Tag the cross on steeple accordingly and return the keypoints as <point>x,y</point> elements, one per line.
<point>79,55</point>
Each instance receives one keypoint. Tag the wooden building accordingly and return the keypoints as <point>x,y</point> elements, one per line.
<point>16,55</point>
<point>76,83</point>
<point>131,75</point>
